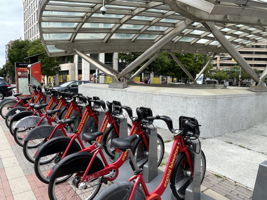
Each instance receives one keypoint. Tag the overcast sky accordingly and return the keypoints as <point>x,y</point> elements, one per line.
<point>11,24</point>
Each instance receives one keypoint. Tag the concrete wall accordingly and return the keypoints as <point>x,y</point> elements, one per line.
<point>218,111</point>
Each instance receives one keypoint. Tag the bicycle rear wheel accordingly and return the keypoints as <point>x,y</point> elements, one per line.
<point>182,177</point>
<point>30,148</point>
<point>121,191</point>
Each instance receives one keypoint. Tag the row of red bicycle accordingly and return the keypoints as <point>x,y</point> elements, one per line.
<point>73,149</point>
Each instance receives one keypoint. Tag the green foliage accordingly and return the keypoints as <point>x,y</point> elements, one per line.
<point>49,64</point>
<point>220,75</point>
<point>166,66</point>
<point>20,49</point>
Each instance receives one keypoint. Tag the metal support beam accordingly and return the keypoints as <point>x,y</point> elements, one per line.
<point>206,66</point>
<point>231,50</point>
<point>155,47</point>
<point>101,66</point>
<point>144,66</point>
<point>182,67</point>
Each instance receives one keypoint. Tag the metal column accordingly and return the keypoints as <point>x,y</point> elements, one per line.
<point>144,66</point>
<point>182,67</point>
<point>231,50</point>
<point>206,66</point>
<point>155,47</point>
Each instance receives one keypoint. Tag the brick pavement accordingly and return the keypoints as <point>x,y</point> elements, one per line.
<point>18,181</point>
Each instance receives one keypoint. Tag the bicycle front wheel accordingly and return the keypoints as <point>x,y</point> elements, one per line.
<point>5,107</point>
<point>121,191</point>
<point>182,176</point>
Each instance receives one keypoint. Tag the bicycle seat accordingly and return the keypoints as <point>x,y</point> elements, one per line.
<point>124,143</point>
<point>40,106</point>
<point>25,99</point>
<point>51,112</point>
<point>17,94</point>
<point>89,137</point>
<point>67,121</point>
<point>32,105</point>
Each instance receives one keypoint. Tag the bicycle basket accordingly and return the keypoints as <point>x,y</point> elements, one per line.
<point>143,113</point>
<point>189,126</point>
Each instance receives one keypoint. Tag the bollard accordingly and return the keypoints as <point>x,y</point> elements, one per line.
<point>260,188</point>
<point>150,170</point>
<point>193,190</point>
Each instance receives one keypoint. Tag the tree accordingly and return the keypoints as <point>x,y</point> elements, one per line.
<point>16,53</point>
<point>49,64</point>
<point>220,75</point>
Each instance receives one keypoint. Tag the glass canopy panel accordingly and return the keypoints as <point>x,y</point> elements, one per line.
<point>187,39</point>
<point>57,36</point>
<point>157,10</point>
<point>147,37</point>
<point>122,36</point>
<point>120,7</point>
<point>214,43</point>
<point>71,3</point>
<point>166,20</point>
<point>58,25</point>
<point>157,28</point>
<point>97,25</point>
<point>144,18</point>
<point>53,49</point>
<point>107,15</point>
<point>197,32</point>
<point>130,26</point>
<point>202,41</point>
<point>59,13</point>
<point>90,36</point>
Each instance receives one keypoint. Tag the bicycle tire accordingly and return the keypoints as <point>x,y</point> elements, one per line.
<point>14,110</point>
<point>121,191</point>
<point>74,166</point>
<point>26,149</point>
<point>140,152</point>
<point>4,107</point>
<point>19,138</point>
<point>180,179</point>
<point>43,164</point>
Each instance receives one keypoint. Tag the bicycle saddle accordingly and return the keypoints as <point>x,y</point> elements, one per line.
<point>67,121</point>
<point>40,106</point>
<point>17,94</point>
<point>25,99</point>
<point>32,105</point>
<point>51,112</point>
<point>89,137</point>
<point>124,143</point>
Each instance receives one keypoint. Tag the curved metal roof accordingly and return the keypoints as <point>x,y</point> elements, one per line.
<point>135,25</point>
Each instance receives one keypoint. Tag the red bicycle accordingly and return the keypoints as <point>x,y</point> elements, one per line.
<point>38,118</point>
<point>40,134</point>
<point>89,168</point>
<point>21,102</point>
<point>179,170</point>
<point>61,146</point>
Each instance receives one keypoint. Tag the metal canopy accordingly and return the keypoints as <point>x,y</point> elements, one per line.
<point>136,25</point>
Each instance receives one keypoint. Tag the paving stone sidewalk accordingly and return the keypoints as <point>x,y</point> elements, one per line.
<point>18,181</point>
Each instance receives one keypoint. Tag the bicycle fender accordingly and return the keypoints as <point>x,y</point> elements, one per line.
<point>58,144</point>
<point>21,115</point>
<point>76,162</point>
<point>7,100</point>
<point>15,111</point>
<point>43,131</point>
<point>29,122</point>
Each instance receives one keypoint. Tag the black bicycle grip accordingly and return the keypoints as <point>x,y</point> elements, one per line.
<point>190,124</point>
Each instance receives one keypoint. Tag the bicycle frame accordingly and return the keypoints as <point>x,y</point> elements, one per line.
<point>96,149</point>
<point>178,146</point>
